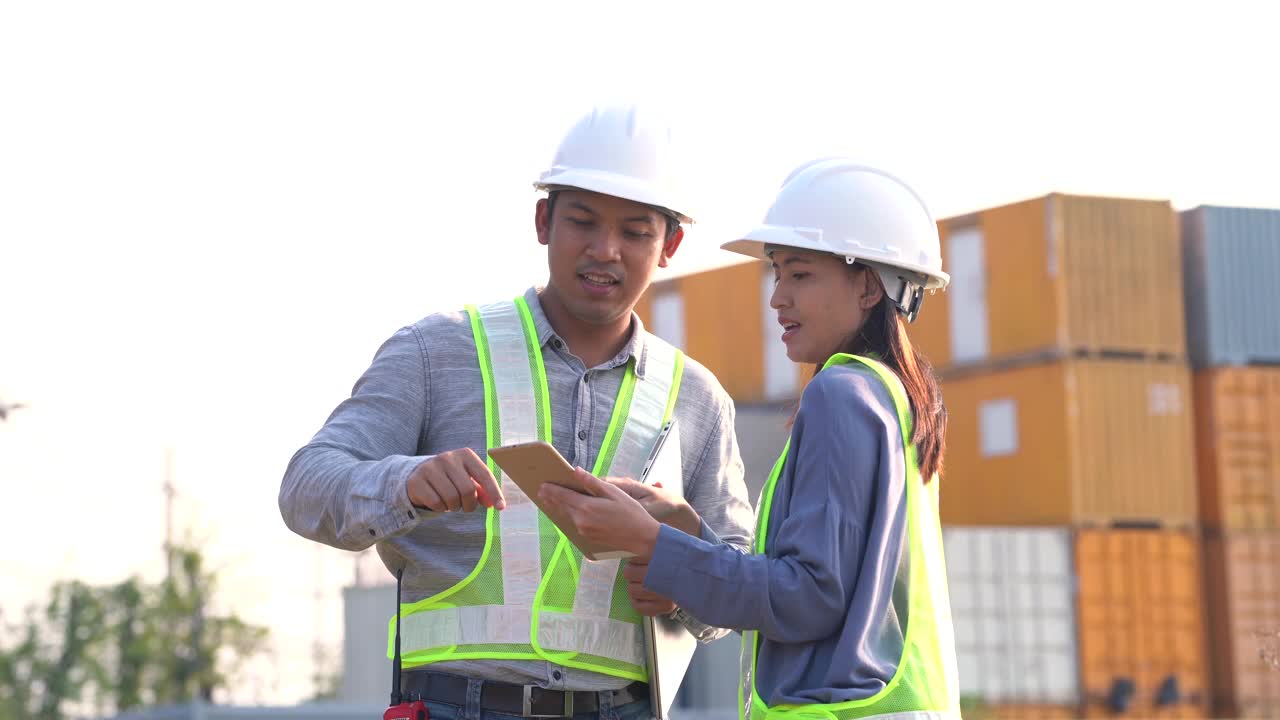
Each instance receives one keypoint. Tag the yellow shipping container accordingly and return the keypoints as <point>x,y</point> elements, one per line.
<point>719,328</point>
<point>1057,274</point>
<point>1070,442</point>
<point>722,319</point>
<point>1238,447</point>
<point>1142,624</point>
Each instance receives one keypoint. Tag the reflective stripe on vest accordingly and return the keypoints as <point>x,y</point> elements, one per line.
<point>925,684</point>
<point>511,606</point>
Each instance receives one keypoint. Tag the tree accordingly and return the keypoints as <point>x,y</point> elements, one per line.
<point>18,672</point>
<point>189,642</point>
<point>131,639</point>
<point>123,645</point>
<point>326,678</point>
<point>78,608</point>
<point>52,661</point>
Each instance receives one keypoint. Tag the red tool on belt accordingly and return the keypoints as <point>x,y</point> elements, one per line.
<point>401,708</point>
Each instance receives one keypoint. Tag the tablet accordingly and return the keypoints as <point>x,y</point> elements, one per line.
<point>531,464</point>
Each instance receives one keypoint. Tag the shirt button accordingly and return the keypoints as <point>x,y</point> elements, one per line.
<point>582,434</point>
<point>557,343</point>
<point>556,674</point>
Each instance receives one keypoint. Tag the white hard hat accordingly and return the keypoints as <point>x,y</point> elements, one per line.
<point>623,151</point>
<point>862,214</point>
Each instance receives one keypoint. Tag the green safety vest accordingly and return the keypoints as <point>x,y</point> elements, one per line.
<point>532,595</point>
<point>925,684</point>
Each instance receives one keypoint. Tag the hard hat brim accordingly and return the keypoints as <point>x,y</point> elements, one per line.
<point>753,244</point>
<point>607,183</point>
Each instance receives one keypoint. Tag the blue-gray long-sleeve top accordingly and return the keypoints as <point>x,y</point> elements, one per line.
<point>822,594</point>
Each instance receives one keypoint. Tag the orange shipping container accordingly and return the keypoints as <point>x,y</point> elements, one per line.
<point>1238,447</point>
<point>1142,624</point>
<point>1242,578</point>
<point>1056,274</point>
<point>722,319</point>
<point>1070,442</point>
<point>1023,711</point>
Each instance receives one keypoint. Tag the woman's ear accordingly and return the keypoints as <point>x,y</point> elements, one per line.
<point>872,289</point>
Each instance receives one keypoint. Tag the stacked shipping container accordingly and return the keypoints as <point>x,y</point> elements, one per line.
<point>1015,620</point>
<point>1070,442</point>
<point>1061,622</point>
<point>1062,344</point>
<point>1232,261</point>
<point>1057,275</point>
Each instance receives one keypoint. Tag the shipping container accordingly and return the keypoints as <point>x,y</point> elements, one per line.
<point>1056,274</point>
<point>722,319</point>
<point>1141,615</point>
<point>1018,711</point>
<point>1013,607</point>
<point>663,313</point>
<point>1242,581</point>
<point>1237,418</point>
<point>1070,442</point>
<point>722,330</point>
<point>1231,261</point>
<point>1060,622</point>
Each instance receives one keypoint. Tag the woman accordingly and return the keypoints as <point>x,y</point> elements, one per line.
<point>844,604</point>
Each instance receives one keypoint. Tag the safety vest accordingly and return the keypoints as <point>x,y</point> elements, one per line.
<point>925,684</point>
<point>532,595</point>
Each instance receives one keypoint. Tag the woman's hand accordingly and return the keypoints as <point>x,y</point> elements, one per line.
<point>608,517</point>
<point>663,505</point>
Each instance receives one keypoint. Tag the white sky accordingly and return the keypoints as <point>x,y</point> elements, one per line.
<point>212,214</point>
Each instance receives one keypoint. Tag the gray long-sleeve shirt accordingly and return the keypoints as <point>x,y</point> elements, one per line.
<point>423,395</point>
<point>822,594</point>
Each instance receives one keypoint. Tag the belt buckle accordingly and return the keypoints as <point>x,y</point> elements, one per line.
<point>527,705</point>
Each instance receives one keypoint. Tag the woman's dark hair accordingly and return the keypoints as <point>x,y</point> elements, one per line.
<point>884,335</point>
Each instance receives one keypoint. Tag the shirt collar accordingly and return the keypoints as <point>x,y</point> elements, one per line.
<point>634,348</point>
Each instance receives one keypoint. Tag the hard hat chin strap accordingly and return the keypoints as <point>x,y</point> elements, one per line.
<point>906,295</point>
<point>909,300</point>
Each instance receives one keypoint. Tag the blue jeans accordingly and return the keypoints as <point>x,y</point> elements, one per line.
<point>635,710</point>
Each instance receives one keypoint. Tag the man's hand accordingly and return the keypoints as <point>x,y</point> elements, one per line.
<point>454,480</point>
<point>644,601</point>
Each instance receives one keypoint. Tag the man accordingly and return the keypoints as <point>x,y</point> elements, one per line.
<point>501,614</point>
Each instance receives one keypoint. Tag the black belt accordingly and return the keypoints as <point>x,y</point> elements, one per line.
<point>512,699</point>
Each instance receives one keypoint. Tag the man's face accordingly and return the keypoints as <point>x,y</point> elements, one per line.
<point>602,251</point>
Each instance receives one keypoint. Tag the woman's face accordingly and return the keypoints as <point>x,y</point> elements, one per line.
<point>821,301</point>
